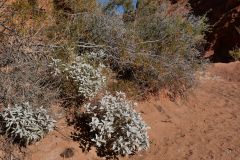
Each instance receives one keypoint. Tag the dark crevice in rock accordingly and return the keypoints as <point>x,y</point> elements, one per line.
<point>224,16</point>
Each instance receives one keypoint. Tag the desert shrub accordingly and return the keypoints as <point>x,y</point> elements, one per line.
<point>5,22</point>
<point>25,74</point>
<point>73,6</point>
<point>24,71</point>
<point>235,53</point>
<point>117,128</point>
<point>161,48</point>
<point>24,124</point>
<point>27,16</point>
<point>173,38</point>
<point>88,79</point>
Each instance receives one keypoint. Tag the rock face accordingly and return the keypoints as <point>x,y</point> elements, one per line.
<point>224,15</point>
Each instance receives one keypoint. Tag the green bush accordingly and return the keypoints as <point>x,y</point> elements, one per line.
<point>173,41</point>
<point>235,54</point>
<point>159,48</point>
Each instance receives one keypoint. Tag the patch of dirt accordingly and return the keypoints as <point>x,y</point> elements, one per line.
<point>206,126</point>
<point>229,72</point>
<point>58,145</point>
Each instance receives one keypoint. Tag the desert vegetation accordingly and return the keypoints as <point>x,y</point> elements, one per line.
<point>90,57</point>
<point>235,53</point>
<point>25,125</point>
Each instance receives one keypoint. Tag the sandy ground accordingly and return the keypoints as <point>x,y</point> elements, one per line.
<point>206,126</point>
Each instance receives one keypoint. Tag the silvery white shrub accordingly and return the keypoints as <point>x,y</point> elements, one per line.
<point>55,64</point>
<point>25,124</point>
<point>89,79</point>
<point>96,56</point>
<point>117,126</point>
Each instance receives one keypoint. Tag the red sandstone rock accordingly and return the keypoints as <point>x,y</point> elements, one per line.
<point>224,16</point>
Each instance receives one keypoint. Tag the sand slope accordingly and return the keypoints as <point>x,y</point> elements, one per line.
<point>206,126</point>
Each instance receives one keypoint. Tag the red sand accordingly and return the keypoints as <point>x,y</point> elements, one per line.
<point>206,126</point>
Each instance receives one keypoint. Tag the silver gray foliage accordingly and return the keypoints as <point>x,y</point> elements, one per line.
<point>89,79</point>
<point>117,126</point>
<point>24,124</point>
